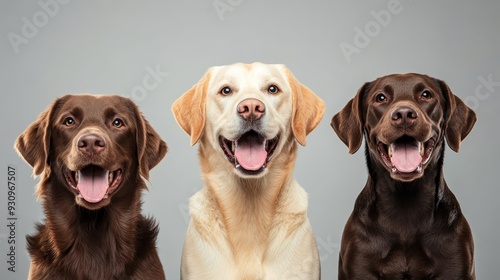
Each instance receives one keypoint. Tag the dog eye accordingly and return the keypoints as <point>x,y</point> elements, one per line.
<point>117,123</point>
<point>273,89</point>
<point>69,121</point>
<point>225,91</point>
<point>426,95</point>
<point>381,98</point>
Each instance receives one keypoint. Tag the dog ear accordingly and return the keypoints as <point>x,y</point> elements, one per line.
<point>348,123</point>
<point>189,109</point>
<point>459,119</point>
<point>307,109</point>
<point>33,144</point>
<point>150,147</point>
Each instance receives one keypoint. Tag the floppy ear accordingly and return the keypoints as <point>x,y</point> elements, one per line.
<point>33,144</point>
<point>307,109</point>
<point>459,119</point>
<point>348,123</point>
<point>189,109</point>
<point>150,147</point>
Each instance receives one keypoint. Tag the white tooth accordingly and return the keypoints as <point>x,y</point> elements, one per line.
<point>419,168</point>
<point>77,175</point>
<point>394,169</point>
<point>391,149</point>
<point>233,146</point>
<point>110,177</point>
<point>236,163</point>
<point>426,160</point>
<point>421,148</point>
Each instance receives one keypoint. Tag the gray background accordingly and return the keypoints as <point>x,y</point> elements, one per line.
<point>112,46</point>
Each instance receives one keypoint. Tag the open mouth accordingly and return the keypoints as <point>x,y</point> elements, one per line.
<point>406,154</point>
<point>94,183</point>
<point>250,153</point>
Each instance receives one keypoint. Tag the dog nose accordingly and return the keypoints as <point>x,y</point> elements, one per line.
<point>251,109</point>
<point>404,116</point>
<point>91,144</point>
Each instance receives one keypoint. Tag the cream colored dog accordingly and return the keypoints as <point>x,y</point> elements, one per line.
<point>250,220</point>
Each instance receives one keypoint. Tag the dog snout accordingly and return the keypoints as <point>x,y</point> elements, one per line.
<point>251,109</point>
<point>404,116</point>
<point>91,144</point>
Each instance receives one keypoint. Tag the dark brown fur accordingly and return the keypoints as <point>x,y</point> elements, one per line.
<point>405,226</point>
<point>81,240</point>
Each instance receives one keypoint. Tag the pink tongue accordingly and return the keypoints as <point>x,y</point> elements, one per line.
<point>406,156</point>
<point>251,152</point>
<point>93,183</point>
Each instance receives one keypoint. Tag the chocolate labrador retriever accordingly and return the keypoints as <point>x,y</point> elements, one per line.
<point>91,152</point>
<point>406,222</point>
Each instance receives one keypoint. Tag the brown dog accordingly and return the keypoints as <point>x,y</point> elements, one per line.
<point>91,152</point>
<point>406,223</point>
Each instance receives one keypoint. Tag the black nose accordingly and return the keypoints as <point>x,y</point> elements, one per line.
<point>404,116</point>
<point>91,144</point>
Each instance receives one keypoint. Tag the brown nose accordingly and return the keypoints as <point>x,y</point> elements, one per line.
<point>251,109</point>
<point>404,116</point>
<point>91,144</point>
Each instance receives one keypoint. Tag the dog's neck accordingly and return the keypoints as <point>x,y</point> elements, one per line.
<point>407,206</point>
<point>248,207</point>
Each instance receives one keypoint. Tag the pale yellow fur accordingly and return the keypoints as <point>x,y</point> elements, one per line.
<point>249,227</point>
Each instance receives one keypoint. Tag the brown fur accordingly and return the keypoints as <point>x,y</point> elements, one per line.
<point>87,241</point>
<point>405,226</point>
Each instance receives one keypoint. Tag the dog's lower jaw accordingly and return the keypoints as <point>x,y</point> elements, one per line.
<point>92,206</point>
<point>247,174</point>
<point>407,176</point>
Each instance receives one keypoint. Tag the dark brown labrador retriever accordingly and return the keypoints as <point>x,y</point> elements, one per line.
<point>406,223</point>
<point>91,152</point>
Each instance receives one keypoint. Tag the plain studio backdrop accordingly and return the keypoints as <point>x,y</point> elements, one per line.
<point>153,51</point>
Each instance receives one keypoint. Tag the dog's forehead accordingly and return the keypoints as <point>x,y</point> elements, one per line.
<point>95,104</point>
<point>252,74</point>
<point>404,83</point>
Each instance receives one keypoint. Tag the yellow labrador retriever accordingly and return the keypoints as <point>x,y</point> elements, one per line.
<point>250,220</point>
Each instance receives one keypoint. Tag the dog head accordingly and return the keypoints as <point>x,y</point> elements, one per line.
<point>248,113</point>
<point>404,118</point>
<point>93,145</point>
